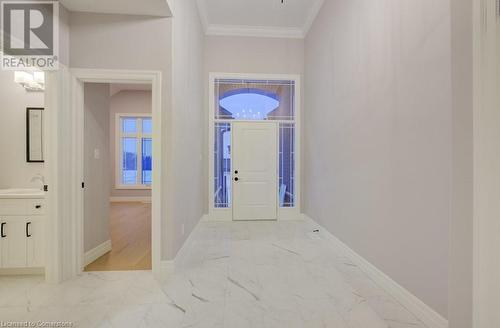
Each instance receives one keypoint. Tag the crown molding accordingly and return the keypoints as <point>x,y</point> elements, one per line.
<point>258,31</point>
<point>203,13</point>
<point>254,31</point>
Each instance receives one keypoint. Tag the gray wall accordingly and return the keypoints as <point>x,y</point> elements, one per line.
<point>187,125</point>
<point>461,246</point>
<point>229,54</point>
<point>377,145</point>
<point>64,16</point>
<point>96,170</point>
<point>131,102</point>
<point>135,42</point>
<point>129,42</point>
<point>15,172</point>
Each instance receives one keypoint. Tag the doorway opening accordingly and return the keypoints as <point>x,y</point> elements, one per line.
<point>67,158</point>
<point>254,134</point>
<point>118,171</point>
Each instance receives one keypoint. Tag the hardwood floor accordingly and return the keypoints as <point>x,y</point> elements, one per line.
<point>130,229</point>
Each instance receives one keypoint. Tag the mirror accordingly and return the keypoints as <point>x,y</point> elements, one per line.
<point>34,135</point>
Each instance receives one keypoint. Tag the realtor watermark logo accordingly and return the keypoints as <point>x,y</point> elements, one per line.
<point>30,35</point>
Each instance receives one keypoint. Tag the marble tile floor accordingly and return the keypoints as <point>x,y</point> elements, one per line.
<point>230,275</point>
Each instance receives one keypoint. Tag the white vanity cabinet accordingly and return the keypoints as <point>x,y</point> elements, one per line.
<point>22,238</point>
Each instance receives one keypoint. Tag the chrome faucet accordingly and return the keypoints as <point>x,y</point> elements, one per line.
<point>41,179</point>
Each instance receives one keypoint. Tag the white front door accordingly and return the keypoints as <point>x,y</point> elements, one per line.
<point>255,171</point>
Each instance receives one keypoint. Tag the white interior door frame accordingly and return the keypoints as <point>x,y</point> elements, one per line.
<point>292,213</point>
<point>66,164</point>
<point>486,117</point>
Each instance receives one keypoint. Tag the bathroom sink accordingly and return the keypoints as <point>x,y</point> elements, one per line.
<point>21,193</point>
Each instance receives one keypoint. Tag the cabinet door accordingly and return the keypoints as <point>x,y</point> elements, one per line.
<point>13,242</point>
<point>35,234</point>
<point>1,248</point>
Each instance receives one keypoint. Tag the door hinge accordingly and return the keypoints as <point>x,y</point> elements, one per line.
<point>83,185</point>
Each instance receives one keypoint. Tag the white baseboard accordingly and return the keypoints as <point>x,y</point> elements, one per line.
<point>97,252</point>
<point>421,310</point>
<point>182,253</point>
<point>22,271</point>
<point>130,199</point>
<point>292,217</point>
<point>167,267</point>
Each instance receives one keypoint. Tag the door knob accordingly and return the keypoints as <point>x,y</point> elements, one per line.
<point>236,172</point>
<point>236,179</point>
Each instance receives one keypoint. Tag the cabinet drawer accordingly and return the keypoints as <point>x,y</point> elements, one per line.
<point>12,206</point>
<point>35,207</point>
<point>22,206</point>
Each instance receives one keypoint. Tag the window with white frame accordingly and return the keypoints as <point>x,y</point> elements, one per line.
<point>134,151</point>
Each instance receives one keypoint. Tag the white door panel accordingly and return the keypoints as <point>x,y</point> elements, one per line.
<point>254,171</point>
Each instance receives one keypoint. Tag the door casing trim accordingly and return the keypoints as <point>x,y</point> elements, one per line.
<point>66,253</point>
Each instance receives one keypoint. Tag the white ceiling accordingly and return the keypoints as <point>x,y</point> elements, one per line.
<point>128,7</point>
<point>263,18</point>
